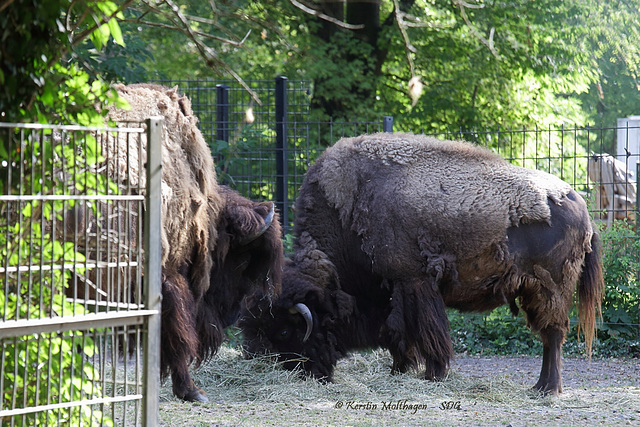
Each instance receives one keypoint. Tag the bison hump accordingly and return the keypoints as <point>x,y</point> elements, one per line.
<point>390,188</point>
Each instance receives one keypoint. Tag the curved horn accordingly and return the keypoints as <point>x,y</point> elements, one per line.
<point>267,223</point>
<point>308,318</point>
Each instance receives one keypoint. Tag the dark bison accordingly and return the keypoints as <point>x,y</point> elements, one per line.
<point>392,228</point>
<point>217,246</point>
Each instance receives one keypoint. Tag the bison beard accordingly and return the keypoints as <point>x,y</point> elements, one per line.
<point>217,246</point>
<point>392,228</point>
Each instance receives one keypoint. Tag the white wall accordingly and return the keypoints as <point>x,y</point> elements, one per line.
<point>629,141</point>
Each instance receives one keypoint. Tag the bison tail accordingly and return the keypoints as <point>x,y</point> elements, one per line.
<point>590,292</point>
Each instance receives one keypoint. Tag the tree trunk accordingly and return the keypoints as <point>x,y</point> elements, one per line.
<point>363,48</point>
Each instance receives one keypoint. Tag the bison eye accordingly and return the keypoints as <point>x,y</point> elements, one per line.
<point>283,335</point>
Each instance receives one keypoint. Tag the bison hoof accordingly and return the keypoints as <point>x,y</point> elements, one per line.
<point>196,395</point>
<point>435,371</point>
<point>545,390</point>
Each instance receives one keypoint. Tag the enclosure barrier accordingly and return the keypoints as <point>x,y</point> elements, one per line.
<point>80,287</point>
<point>263,150</point>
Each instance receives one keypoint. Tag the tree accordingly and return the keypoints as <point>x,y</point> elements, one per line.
<point>38,77</point>
<point>483,63</point>
<point>469,63</point>
<point>615,91</point>
<point>59,57</point>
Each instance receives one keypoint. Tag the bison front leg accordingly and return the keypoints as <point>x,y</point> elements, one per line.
<point>417,329</point>
<point>184,387</point>
<point>179,339</point>
<point>550,381</point>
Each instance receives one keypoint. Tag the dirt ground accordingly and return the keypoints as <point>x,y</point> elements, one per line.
<point>479,391</point>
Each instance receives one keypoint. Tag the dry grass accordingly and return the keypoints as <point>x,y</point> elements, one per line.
<point>259,392</point>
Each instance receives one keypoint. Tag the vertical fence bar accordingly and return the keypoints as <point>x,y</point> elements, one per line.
<point>222,112</point>
<point>152,271</point>
<point>222,124</point>
<point>387,124</point>
<point>282,175</point>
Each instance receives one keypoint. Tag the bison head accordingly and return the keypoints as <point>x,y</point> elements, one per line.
<point>298,325</point>
<point>288,326</point>
<point>248,256</point>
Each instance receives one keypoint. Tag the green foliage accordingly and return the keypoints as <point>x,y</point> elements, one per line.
<point>49,367</point>
<point>530,76</point>
<point>287,242</point>
<point>621,259</point>
<point>116,62</point>
<point>39,80</point>
<point>261,39</point>
<point>235,158</point>
<point>550,62</point>
<point>490,334</point>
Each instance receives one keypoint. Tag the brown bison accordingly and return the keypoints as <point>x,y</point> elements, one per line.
<point>217,246</point>
<point>392,228</point>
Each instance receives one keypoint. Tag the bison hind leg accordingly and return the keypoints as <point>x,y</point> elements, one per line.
<point>551,321</point>
<point>550,381</point>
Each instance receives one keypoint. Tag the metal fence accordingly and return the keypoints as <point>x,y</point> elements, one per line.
<point>264,151</point>
<point>79,333</point>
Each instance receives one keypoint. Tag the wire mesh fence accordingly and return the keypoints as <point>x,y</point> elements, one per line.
<point>245,142</point>
<point>263,148</point>
<point>75,318</point>
<point>243,136</point>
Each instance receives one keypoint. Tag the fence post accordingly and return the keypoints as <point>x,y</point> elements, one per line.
<point>222,112</point>
<point>387,124</point>
<point>152,272</point>
<point>282,173</point>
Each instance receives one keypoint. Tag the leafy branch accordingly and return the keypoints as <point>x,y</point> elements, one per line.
<point>463,5</point>
<point>182,23</point>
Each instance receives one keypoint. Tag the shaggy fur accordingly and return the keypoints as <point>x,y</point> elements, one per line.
<point>391,228</point>
<point>191,202</point>
<point>215,250</point>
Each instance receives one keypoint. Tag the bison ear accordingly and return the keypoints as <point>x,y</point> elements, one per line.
<point>344,303</point>
<point>248,222</point>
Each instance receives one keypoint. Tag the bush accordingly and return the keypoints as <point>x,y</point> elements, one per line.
<point>491,334</point>
<point>621,305</point>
